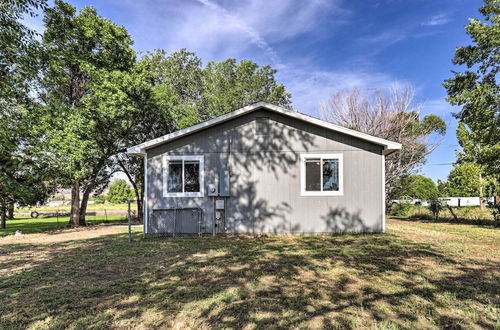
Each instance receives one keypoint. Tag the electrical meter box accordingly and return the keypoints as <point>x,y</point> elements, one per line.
<point>212,190</point>
<point>224,183</point>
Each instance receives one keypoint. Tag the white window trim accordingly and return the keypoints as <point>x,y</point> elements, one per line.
<point>199,158</point>
<point>303,191</point>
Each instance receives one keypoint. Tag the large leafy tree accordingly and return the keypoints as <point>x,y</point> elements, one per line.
<point>476,89</point>
<point>415,186</point>
<point>21,175</point>
<point>79,49</point>
<point>464,180</point>
<point>229,85</point>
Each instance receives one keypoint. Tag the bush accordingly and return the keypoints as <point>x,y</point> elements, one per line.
<point>119,192</point>
<point>100,199</point>
<point>435,206</point>
<point>400,209</point>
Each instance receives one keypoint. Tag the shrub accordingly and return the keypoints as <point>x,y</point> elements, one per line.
<point>119,192</point>
<point>495,210</point>
<point>100,199</point>
<point>435,206</point>
<point>400,209</point>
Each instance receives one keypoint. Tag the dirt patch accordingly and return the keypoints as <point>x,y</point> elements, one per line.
<point>65,235</point>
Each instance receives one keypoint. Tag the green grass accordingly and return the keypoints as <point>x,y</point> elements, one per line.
<point>66,208</point>
<point>418,275</point>
<point>29,226</point>
<point>468,214</point>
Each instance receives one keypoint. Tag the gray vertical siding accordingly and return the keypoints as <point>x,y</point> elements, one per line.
<point>265,178</point>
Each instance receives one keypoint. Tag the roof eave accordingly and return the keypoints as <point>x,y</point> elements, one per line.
<point>140,149</point>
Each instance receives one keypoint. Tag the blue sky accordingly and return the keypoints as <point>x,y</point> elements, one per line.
<point>318,46</point>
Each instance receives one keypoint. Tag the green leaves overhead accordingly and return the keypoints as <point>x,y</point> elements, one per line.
<point>476,89</point>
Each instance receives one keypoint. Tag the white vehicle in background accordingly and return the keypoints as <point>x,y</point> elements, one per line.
<point>409,200</point>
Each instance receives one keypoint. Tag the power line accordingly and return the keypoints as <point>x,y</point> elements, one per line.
<point>439,164</point>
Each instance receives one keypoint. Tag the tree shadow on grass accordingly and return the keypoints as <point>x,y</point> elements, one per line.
<point>238,281</point>
<point>460,221</point>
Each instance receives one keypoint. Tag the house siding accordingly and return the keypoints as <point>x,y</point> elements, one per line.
<point>264,165</point>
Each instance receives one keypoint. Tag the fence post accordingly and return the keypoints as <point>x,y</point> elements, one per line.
<point>129,223</point>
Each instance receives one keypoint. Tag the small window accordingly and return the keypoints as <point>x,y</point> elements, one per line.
<point>321,175</point>
<point>183,176</point>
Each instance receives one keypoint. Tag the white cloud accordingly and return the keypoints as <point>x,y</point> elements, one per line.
<point>439,19</point>
<point>217,29</point>
<point>310,87</point>
<point>439,107</point>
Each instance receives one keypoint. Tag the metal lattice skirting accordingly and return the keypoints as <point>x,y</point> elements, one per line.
<point>177,222</point>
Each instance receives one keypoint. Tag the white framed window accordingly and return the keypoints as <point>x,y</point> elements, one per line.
<point>183,176</point>
<point>321,175</point>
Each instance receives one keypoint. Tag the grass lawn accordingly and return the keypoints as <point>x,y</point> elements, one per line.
<point>67,208</point>
<point>418,275</point>
<point>28,225</point>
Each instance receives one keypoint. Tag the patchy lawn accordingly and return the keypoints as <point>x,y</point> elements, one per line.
<point>28,225</point>
<point>67,208</point>
<point>418,275</point>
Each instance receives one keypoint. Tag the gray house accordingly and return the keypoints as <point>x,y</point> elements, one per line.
<point>264,169</point>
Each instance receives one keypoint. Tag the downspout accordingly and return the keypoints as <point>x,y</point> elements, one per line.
<point>145,201</point>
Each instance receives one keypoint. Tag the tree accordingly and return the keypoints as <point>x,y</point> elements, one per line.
<point>476,89</point>
<point>229,85</point>
<point>393,116</point>
<point>465,180</point>
<point>119,192</point>
<point>21,176</point>
<point>416,186</point>
<point>78,50</point>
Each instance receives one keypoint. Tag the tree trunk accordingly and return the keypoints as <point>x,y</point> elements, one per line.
<point>481,197</point>
<point>139,195</point>
<point>10,214</point>
<point>4,216</point>
<point>452,213</point>
<point>140,201</point>
<point>85,200</point>
<point>74,219</point>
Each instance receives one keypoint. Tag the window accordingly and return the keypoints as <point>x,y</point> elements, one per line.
<point>321,175</point>
<point>183,176</point>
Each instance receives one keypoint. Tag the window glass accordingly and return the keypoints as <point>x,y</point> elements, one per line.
<point>313,175</point>
<point>330,174</point>
<point>174,180</point>
<point>191,176</point>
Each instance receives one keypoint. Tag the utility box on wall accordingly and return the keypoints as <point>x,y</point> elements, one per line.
<point>212,190</point>
<point>224,183</point>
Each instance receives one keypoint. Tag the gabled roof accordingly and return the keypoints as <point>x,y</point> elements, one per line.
<point>140,149</point>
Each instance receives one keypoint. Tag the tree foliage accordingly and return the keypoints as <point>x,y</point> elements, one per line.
<point>119,192</point>
<point>415,186</point>
<point>80,50</point>
<point>476,89</point>
<point>463,181</point>
<point>394,116</point>
<point>21,173</point>
<point>467,180</point>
